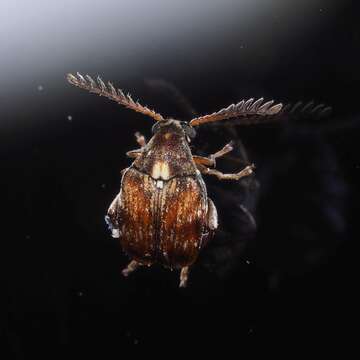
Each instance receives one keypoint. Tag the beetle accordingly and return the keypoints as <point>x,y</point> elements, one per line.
<point>162,213</point>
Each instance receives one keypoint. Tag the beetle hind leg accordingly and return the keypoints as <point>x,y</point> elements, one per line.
<point>140,139</point>
<point>131,267</point>
<point>184,275</point>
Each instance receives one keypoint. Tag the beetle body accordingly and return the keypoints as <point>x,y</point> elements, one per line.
<point>162,213</point>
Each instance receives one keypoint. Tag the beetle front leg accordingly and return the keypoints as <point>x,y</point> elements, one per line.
<point>237,176</point>
<point>211,159</point>
<point>131,267</point>
<point>134,154</point>
<point>140,139</point>
<point>184,275</point>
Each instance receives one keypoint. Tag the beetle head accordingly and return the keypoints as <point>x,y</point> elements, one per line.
<point>181,128</point>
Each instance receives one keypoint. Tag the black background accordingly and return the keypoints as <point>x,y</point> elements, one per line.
<point>293,282</point>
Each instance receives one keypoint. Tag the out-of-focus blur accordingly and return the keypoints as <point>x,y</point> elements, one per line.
<point>40,40</point>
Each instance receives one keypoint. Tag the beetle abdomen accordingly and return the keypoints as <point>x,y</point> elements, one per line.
<point>162,221</point>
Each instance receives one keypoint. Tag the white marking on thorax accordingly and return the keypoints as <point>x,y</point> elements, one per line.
<point>160,170</point>
<point>159,184</point>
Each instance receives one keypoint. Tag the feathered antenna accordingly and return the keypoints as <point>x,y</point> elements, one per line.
<point>243,108</point>
<point>109,91</point>
<point>305,111</point>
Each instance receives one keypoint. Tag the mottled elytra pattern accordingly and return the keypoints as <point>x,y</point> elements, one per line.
<point>136,215</point>
<point>183,228</point>
<point>165,225</point>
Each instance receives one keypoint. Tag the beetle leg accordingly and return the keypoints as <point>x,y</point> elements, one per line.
<point>134,154</point>
<point>132,266</point>
<point>140,139</point>
<point>244,172</point>
<point>201,160</point>
<point>210,161</point>
<point>184,274</point>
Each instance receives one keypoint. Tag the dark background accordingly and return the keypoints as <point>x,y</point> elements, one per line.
<point>291,282</point>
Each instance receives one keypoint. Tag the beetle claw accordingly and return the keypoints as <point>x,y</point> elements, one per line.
<point>184,275</point>
<point>132,266</point>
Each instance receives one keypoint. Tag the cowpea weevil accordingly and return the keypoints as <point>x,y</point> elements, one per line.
<point>162,213</point>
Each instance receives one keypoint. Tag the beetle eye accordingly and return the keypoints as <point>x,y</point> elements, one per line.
<point>155,127</point>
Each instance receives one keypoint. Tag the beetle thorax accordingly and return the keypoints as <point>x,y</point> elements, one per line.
<point>167,154</point>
